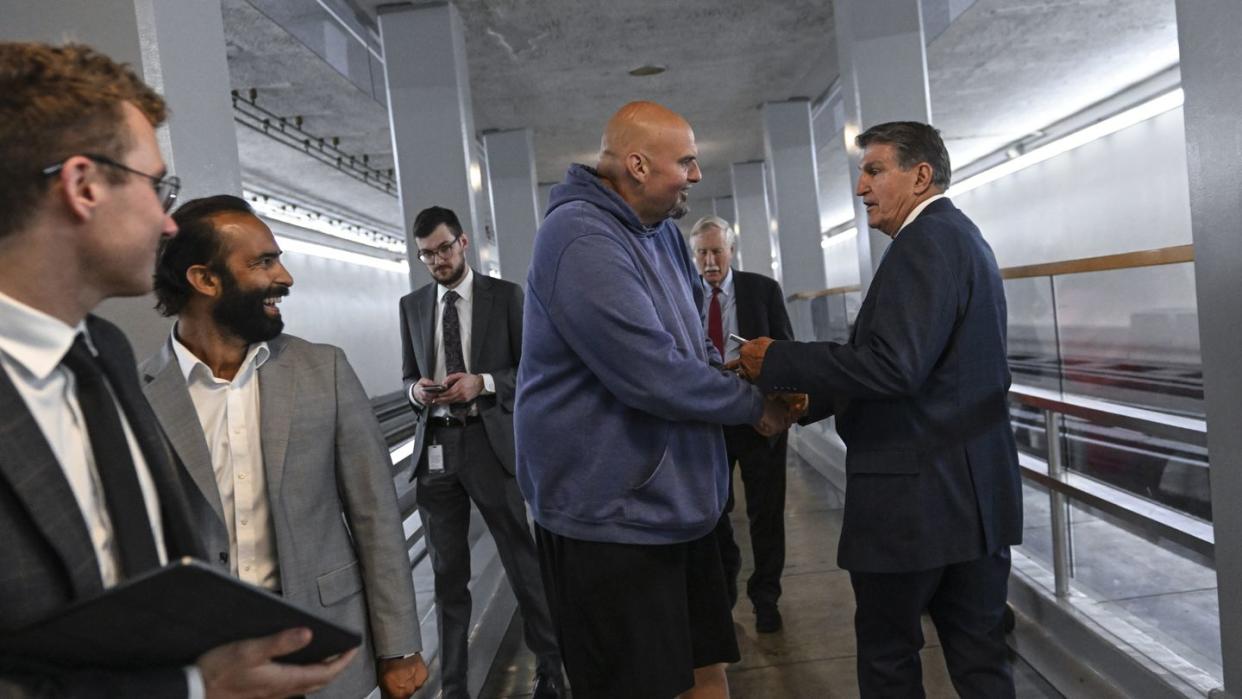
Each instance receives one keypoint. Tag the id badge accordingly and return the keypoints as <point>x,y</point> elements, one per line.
<point>435,458</point>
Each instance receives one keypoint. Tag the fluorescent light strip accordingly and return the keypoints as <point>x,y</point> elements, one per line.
<point>272,208</point>
<point>346,256</point>
<point>1135,115</point>
<point>1151,108</point>
<point>831,241</point>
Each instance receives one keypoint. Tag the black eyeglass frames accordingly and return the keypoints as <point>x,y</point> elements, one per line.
<point>441,252</point>
<point>166,188</point>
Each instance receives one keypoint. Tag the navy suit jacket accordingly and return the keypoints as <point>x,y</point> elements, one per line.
<point>919,393</point>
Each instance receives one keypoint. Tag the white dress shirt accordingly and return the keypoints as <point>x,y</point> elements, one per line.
<point>32,345</point>
<point>917,210</point>
<point>465,308</point>
<point>728,314</point>
<point>230,416</point>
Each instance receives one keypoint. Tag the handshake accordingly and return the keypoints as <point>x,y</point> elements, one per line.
<point>780,410</point>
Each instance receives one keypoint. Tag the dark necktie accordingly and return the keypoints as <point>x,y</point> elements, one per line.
<point>715,325</point>
<point>134,542</point>
<point>454,360</point>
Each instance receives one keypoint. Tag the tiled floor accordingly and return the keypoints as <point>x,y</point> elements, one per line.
<point>813,657</point>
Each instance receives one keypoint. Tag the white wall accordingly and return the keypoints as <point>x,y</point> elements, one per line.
<point>1125,192</point>
<point>350,306</point>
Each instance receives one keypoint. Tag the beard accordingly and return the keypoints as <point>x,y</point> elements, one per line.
<point>681,208</point>
<point>242,312</point>
<point>452,276</point>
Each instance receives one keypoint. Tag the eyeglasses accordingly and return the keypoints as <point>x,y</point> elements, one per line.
<point>166,188</point>
<point>442,252</point>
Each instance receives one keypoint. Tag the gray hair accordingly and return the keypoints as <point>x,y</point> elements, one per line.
<point>915,142</point>
<point>715,222</point>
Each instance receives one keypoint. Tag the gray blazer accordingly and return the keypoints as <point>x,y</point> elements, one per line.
<point>495,348</point>
<point>47,560</point>
<point>339,536</point>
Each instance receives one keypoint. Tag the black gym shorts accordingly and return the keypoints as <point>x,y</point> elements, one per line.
<point>635,620</point>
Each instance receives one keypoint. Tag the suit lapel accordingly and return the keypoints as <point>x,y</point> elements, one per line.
<point>38,481</point>
<point>276,384</point>
<point>746,302</point>
<point>167,389</point>
<point>480,314</point>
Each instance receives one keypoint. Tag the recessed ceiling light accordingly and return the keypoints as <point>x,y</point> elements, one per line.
<point>644,71</point>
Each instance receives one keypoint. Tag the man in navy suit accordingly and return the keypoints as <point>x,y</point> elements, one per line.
<point>749,305</point>
<point>933,499</point>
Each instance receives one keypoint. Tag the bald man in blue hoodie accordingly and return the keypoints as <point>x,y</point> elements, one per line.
<point>620,400</point>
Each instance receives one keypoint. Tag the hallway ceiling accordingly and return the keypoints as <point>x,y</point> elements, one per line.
<point>1001,70</point>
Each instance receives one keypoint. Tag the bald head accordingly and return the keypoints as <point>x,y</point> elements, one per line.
<point>649,157</point>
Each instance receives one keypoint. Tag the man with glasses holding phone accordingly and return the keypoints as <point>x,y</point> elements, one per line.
<point>461,339</point>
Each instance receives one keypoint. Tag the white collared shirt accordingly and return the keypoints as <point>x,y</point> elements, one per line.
<point>465,308</point>
<point>32,345</point>
<point>917,210</point>
<point>728,313</point>
<point>229,412</point>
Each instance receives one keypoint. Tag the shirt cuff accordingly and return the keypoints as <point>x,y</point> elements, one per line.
<point>194,688</point>
<point>489,384</point>
<point>400,657</point>
<point>414,401</point>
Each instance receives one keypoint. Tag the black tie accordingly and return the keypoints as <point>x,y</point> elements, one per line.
<point>454,362</point>
<point>122,495</point>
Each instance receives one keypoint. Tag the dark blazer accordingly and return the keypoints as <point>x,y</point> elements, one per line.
<point>920,397</point>
<point>760,306</point>
<point>47,560</point>
<point>495,348</point>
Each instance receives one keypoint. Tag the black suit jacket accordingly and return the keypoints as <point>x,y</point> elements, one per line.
<point>47,560</point>
<point>920,393</point>
<point>760,306</point>
<point>495,348</point>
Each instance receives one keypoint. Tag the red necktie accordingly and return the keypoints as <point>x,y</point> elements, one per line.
<point>715,327</point>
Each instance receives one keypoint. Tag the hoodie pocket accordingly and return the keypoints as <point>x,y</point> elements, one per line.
<point>661,458</point>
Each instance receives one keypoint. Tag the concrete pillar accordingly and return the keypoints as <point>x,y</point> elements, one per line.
<point>178,48</point>
<point>430,116</point>
<point>1207,33</point>
<point>789,148</point>
<point>882,52</point>
<point>515,207</point>
<point>544,193</point>
<point>752,218</point>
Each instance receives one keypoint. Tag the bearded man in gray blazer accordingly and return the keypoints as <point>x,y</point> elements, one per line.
<point>461,340</point>
<point>279,436</point>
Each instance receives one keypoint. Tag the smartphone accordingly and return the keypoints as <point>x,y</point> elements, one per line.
<point>435,388</point>
<point>738,338</point>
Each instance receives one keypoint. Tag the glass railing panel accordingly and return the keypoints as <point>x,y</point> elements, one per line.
<point>1132,336</point>
<point>1170,471</point>
<point>1036,523</point>
<point>1165,589</point>
<point>1033,358</point>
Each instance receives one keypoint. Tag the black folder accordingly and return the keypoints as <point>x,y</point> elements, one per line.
<point>169,617</point>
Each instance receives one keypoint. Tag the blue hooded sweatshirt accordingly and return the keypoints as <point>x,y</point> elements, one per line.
<point>618,411</point>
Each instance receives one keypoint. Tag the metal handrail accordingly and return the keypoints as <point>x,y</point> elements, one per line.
<point>1064,485</point>
<point>1127,260</point>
